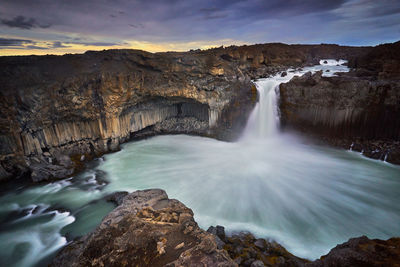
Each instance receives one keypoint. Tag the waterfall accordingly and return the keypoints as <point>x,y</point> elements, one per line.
<point>264,120</point>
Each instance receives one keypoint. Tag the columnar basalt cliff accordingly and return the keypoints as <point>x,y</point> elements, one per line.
<point>359,110</point>
<point>54,108</point>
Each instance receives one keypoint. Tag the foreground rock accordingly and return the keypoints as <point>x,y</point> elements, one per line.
<point>362,252</point>
<point>351,112</point>
<point>147,229</point>
<point>246,250</point>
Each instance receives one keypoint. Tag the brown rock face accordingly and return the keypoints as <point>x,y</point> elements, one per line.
<point>147,229</point>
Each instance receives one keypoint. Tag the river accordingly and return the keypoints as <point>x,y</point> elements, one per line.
<point>307,197</point>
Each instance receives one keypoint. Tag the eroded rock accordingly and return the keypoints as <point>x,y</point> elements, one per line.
<point>246,250</point>
<point>147,229</point>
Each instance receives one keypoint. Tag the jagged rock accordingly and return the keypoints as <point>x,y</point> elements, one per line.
<point>64,160</point>
<point>283,74</point>
<point>246,250</point>
<point>362,252</point>
<point>218,231</point>
<point>147,229</point>
<point>45,171</point>
<point>4,175</point>
<point>257,263</point>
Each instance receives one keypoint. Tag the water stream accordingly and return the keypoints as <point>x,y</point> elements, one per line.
<point>307,197</point>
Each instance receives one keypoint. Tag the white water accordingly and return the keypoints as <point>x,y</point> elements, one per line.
<point>307,197</point>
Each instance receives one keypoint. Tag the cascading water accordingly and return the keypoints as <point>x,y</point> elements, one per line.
<point>307,197</point>
<point>263,121</point>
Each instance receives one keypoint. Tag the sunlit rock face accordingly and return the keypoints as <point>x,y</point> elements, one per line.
<point>147,229</point>
<point>359,114</point>
<point>88,104</point>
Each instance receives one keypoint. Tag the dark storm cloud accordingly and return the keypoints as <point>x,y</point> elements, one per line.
<point>110,22</point>
<point>37,47</point>
<point>23,23</point>
<point>14,42</point>
<point>96,44</point>
<point>58,44</point>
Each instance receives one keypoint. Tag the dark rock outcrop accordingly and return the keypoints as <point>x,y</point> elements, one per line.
<point>346,111</point>
<point>147,229</point>
<point>87,104</point>
<point>362,252</point>
<point>381,62</point>
<point>246,250</point>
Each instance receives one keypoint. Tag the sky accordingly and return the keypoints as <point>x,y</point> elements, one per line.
<point>75,26</point>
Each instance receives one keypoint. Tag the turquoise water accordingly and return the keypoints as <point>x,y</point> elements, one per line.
<point>309,198</point>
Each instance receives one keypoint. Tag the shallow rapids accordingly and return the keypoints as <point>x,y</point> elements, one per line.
<point>307,197</point>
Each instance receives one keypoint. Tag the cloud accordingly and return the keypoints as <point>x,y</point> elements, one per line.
<point>58,44</point>
<point>22,22</point>
<point>14,42</point>
<point>94,43</point>
<point>42,45</point>
<point>111,23</point>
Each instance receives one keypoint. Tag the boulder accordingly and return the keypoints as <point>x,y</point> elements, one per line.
<point>147,229</point>
<point>45,171</point>
<point>116,197</point>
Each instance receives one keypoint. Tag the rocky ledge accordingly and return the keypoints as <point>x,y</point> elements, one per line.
<point>148,229</point>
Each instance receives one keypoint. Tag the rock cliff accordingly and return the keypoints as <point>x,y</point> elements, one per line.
<point>359,110</point>
<point>79,106</point>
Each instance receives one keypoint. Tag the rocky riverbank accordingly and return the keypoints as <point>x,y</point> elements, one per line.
<point>149,229</point>
<point>359,110</point>
<point>57,111</point>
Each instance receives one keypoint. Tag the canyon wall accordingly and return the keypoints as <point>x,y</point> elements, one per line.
<point>59,110</point>
<point>359,110</point>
